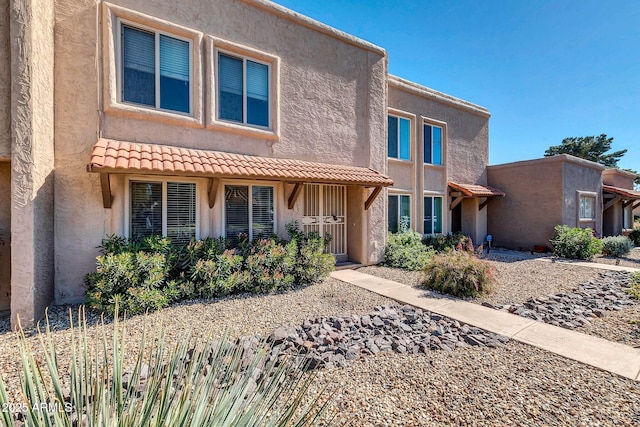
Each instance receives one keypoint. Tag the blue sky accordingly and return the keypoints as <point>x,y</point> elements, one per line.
<point>545,69</point>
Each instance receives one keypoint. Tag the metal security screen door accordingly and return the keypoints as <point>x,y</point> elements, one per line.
<point>325,211</point>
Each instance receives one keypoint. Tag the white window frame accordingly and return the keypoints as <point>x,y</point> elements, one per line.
<point>163,181</point>
<point>244,59</point>
<point>250,202</point>
<point>411,120</point>
<point>120,66</point>
<point>585,195</point>
<point>433,196</point>
<point>443,128</point>
<point>411,210</point>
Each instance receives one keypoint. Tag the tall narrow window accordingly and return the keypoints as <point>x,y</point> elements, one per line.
<point>162,208</point>
<point>249,210</point>
<point>243,90</point>
<point>432,144</point>
<point>432,215</point>
<point>398,138</point>
<point>587,207</point>
<point>163,84</point>
<point>399,212</point>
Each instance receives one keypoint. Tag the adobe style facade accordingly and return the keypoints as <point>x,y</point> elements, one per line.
<point>207,118</point>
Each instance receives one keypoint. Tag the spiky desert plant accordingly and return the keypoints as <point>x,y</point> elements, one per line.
<point>193,382</point>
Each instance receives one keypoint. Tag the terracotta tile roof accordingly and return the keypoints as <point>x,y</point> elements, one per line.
<point>121,156</point>
<point>624,192</point>
<point>475,190</point>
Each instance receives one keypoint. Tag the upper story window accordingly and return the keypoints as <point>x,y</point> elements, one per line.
<point>243,90</point>
<point>156,69</point>
<point>432,144</point>
<point>399,138</point>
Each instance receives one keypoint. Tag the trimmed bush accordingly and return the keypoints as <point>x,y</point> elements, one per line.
<point>405,250</point>
<point>152,273</point>
<point>443,243</point>
<point>458,273</point>
<point>634,235</point>
<point>575,243</point>
<point>616,245</point>
<point>634,289</point>
<point>192,382</point>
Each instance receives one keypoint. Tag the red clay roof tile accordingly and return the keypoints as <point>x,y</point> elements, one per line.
<point>624,192</point>
<point>475,190</point>
<point>121,156</point>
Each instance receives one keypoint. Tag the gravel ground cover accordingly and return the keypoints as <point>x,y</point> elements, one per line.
<point>519,279</point>
<point>630,260</point>
<point>512,384</point>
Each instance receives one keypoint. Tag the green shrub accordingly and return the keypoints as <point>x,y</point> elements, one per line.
<point>634,289</point>
<point>575,243</point>
<point>136,279</point>
<point>616,245</point>
<point>634,235</point>
<point>312,263</point>
<point>458,273</point>
<point>217,277</point>
<point>405,250</point>
<point>151,273</point>
<point>193,382</point>
<point>443,243</point>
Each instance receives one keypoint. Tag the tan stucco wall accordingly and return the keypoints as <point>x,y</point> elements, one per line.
<point>579,177</point>
<point>618,178</point>
<point>5,81</point>
<point>532,206</point>
<point>465,150</point>
<point>5,235</point>
<point>540,194</point>
<point>332,98</point>
<point>32,59</point>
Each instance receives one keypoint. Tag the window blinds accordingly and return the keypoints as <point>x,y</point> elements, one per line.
<point>257,81</point>
<point>230,74</point>
<point>174,58</point>
<point>139,52</point>
<point>262,211</point>
<point>146,209</point>
<point>236,211</point>
<point>181,211</point>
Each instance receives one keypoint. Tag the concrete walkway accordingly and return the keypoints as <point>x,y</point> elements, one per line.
<point>600,353</point>
<point>610,267</point>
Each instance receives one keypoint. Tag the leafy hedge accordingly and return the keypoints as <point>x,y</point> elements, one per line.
<point>634,235</point>
<point>150,274</point>
<point>575,243</point>
<point>616,245</point>
<point>406,250</point>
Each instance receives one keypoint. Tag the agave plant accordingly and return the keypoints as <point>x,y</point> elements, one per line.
<point>221,382</point>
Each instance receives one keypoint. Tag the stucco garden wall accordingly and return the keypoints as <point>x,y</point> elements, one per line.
<point>533,204</point>
<point>5,81</point>
<point>332,98</point>
<point>5,235</point>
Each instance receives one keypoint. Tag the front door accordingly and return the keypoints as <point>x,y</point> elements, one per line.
<point>325,211</point>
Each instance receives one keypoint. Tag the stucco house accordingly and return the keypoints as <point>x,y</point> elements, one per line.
<point>563,189</point>
<point>207,118</point>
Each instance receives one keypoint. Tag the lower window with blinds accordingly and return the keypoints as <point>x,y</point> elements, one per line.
<point>249,210</point>
<point>164,208</point>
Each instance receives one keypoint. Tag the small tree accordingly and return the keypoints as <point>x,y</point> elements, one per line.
<point>590,148</point>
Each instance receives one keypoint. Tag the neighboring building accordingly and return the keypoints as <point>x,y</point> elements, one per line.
<point>541,194</point>
<point>438,149</point>
<point>619,201</point>
<point>206,118</point>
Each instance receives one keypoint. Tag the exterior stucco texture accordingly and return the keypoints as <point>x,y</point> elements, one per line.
<point>540,194</point>
<point>5,81</point>
<point>5,235</point>
<point>330,93</point>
